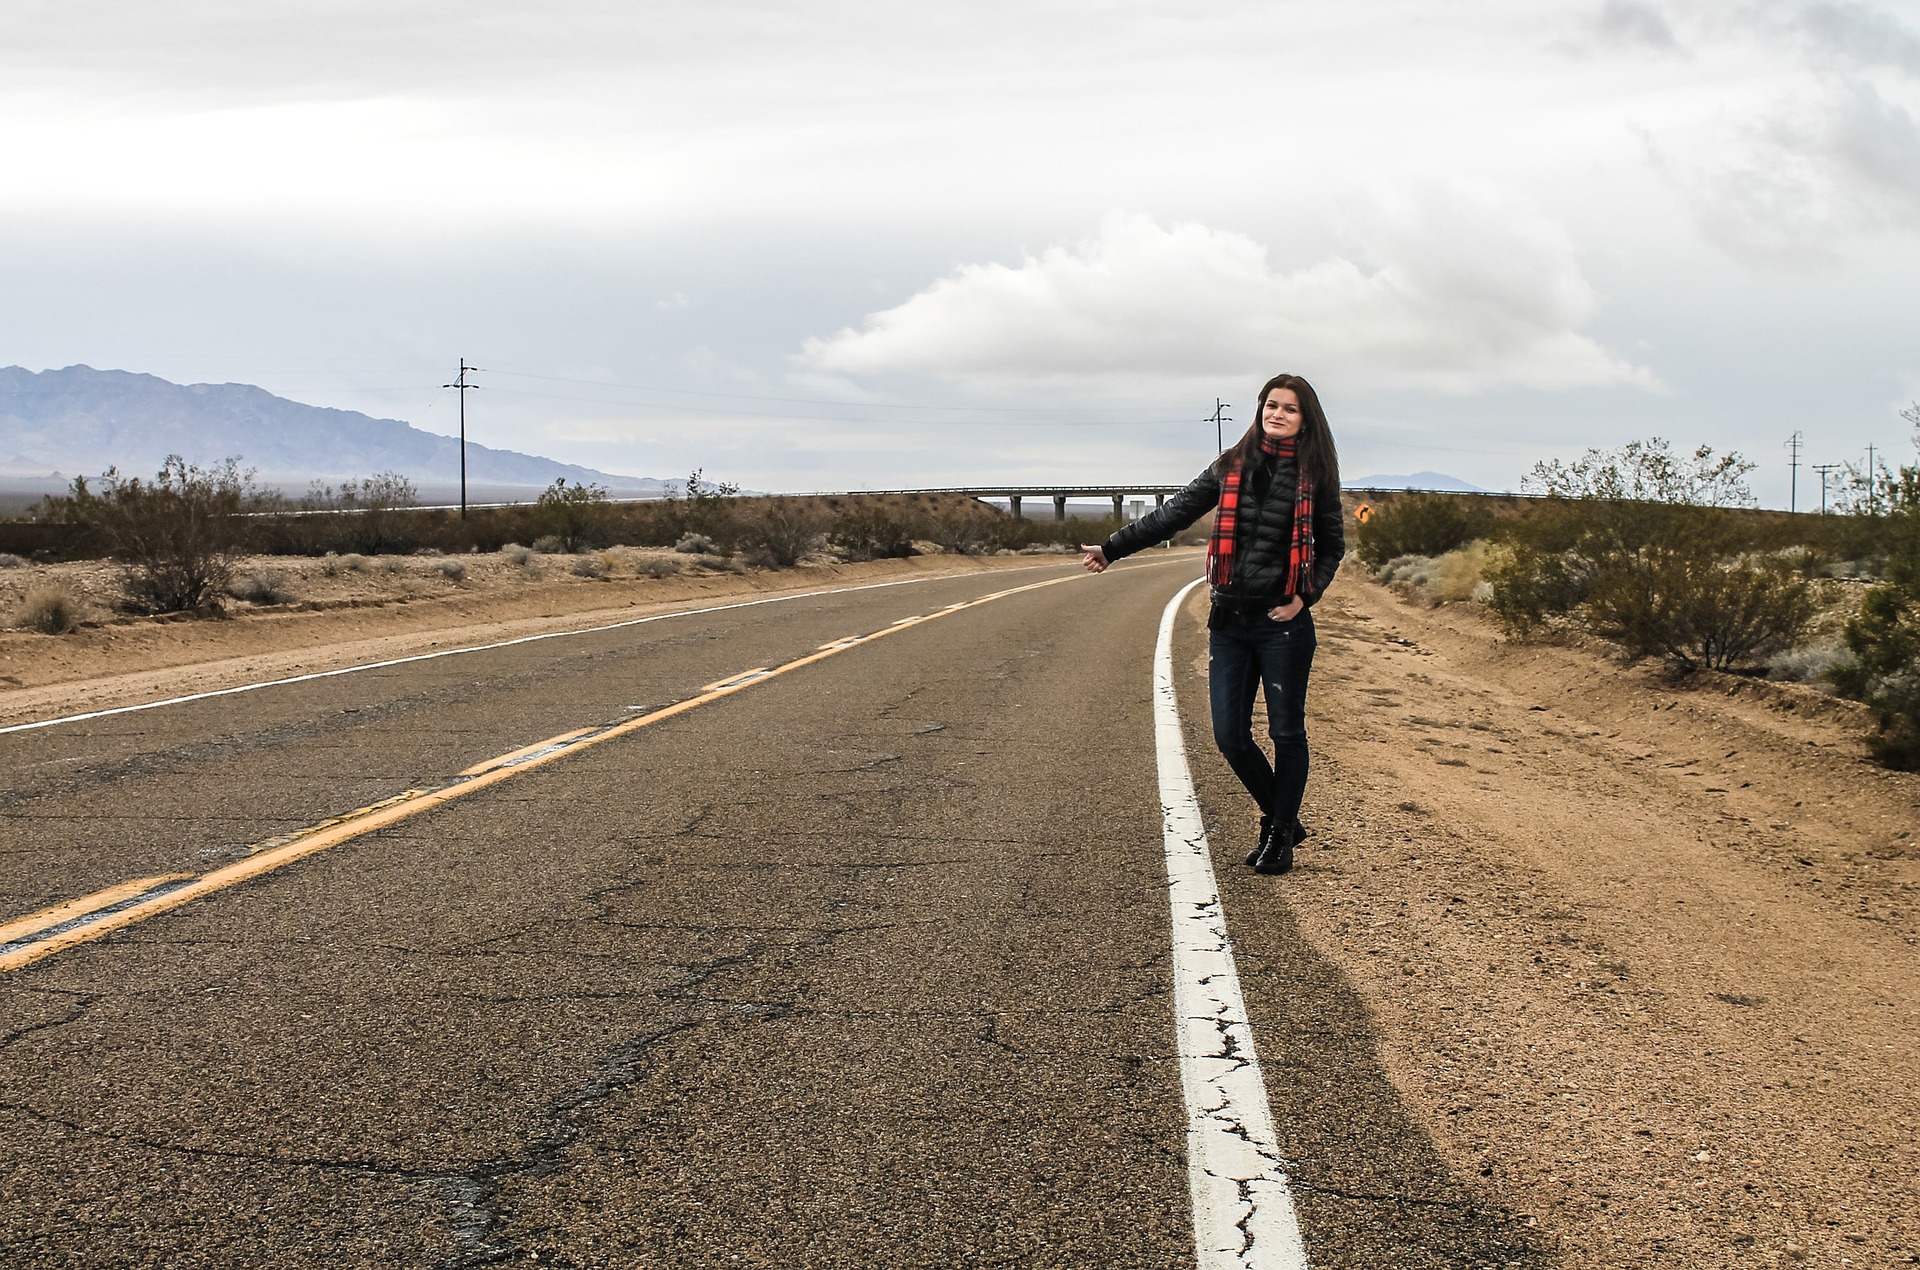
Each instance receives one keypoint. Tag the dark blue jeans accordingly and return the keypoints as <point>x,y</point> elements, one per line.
<point>1248,651</point>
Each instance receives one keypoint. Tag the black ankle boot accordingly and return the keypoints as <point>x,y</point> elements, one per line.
<point>1266,836</point>
<point>1276,856</point>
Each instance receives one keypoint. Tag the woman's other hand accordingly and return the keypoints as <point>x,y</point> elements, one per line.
<point>1288,611</point>
<point>1095,558</point>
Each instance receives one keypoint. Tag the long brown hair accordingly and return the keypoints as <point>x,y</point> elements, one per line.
<point>1318,457</point>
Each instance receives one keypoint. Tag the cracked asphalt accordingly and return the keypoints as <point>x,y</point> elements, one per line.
<point>865,965</point>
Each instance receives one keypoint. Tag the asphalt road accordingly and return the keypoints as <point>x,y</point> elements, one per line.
<point>865,964</point>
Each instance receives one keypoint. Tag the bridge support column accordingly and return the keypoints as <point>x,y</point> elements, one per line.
<point>1159,500</point>
<point>1013,502</point>
<point>1119,513</point>
<point>1059,507</point>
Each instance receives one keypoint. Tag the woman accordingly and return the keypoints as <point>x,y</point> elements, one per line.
<point>1275,547</point>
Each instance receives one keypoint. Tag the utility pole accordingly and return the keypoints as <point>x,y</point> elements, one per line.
<point>1824,469</point>
<point>462,384</point>
<point>1793,482</point>
<point>1873,484</point>
<point>1219,438</point>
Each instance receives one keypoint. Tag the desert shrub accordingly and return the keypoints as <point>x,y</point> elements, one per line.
<point>1422,525</point>
<point>1885,636</point>
<point>1809,663</point>
<point>1445,579</point>
<point>393,565</point>
<point>51,609</point>
<point>1647,472</point>
<point>1442,579</point>
<point>1461,574</point>
<point>548,545</point>
<point>696,545</point>
<point>1535,589</point>
<point>575,515</point>
<point>1409,569</point>
<point>1640,546</point>
<point>353,563</point>
<point>452,570</point>
<point>517,553</point>
<point>10,561</point>
<point>869,532</point>
<point>590,567</point>
<point>1684,601</point>
<point>175,535</point>
<point>777,532</point>
<point>959,532</point>
<point>262,586</point>
<point>702,507</point>
<point>370,515</point>
<point>661,567</point>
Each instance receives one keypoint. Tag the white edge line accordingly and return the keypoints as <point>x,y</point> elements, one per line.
<point>1243,1214</point>
<point>483,648</point>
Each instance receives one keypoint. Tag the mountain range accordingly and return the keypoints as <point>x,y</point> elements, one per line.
<point>56,424</point>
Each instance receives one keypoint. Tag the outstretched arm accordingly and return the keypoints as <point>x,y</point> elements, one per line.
<point>1201,496</point>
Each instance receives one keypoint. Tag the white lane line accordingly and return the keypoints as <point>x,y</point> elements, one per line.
<point>1243,1214</point>
<point>484,648</point>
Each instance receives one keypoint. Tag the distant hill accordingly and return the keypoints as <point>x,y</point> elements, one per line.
<point>79,421</point>
<point>1418,480</point>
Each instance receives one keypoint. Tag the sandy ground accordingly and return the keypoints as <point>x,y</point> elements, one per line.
<point>1643,954</point>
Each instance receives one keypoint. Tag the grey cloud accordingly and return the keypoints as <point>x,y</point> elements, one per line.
<point>1814,174</point>
<point>1877,143</point>
<point>1861,35</point>
<point>1634,23</point>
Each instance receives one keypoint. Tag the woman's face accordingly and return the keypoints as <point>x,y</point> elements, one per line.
<point>1280,417</point>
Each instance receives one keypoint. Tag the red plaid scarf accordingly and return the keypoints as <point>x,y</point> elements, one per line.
<point>1226,525</point>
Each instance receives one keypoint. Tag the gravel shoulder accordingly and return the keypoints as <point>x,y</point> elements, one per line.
<point>1641,955</point>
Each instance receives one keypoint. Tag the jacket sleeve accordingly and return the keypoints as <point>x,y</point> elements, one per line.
<point>1329,543</point>
<point>1200,496</point>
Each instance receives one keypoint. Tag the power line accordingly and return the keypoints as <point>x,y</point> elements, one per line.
<point>1793,481</point>
<point>1218,419</point>
<point>1824,469</point>
<point>464,387</point>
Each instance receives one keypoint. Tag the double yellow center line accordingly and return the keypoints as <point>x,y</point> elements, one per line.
<point>51,930</point>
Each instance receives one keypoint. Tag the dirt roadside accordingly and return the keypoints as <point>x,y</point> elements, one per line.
<point>1644,957</point>
<point>403,607</point>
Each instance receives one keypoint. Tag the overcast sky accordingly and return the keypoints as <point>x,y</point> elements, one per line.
<point>854,243</point>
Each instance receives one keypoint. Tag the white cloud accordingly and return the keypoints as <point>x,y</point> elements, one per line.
<point>1453,292</point>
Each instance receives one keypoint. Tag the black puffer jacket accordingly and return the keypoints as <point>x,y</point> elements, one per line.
<point>1264,544</point>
